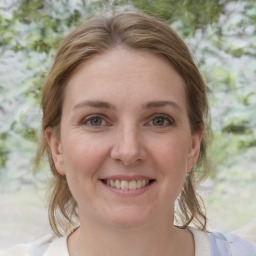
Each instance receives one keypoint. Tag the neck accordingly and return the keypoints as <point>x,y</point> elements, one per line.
<point>157,239</point>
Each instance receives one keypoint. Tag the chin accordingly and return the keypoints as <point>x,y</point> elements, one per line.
<point>128,219</point>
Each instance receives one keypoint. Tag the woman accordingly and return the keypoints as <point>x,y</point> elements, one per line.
<point>125,130</point>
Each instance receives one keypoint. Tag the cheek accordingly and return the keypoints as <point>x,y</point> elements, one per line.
<point>171,161</point>
<point>82,162</point>
<point>83,155</point>
<point>172,154</point>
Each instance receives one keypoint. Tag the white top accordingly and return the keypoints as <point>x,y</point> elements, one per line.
<point>202,243</point>
<point>206,244</point>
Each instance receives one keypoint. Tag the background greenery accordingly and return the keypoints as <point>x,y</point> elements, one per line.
<point>221,36</point>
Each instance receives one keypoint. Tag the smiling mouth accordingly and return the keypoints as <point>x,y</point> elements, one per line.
<point>127,185</point>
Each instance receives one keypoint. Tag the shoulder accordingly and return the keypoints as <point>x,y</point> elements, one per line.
<point>36,248</point>
<point>18,250</point>
<point>48,245</point>
<point>223,243</point>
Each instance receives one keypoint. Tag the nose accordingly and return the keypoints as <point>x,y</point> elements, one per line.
<point>128,147</point>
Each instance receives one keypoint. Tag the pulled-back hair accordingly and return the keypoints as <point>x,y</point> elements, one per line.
<point>97,35</point>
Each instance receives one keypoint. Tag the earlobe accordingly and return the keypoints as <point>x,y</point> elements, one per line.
<point>195,148</point>
<point>55,145</point>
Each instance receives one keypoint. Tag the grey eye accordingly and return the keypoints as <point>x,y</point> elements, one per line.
<point>159,121</point>
<point>95,121</point>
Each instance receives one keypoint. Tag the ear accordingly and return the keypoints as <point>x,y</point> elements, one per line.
<point>194,151</point>
<point>54,142</point>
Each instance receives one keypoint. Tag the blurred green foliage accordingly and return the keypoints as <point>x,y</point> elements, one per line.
<point>220,34</point>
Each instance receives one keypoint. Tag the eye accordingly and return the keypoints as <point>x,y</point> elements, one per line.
<point>161,121</point>
<point>94,121</point>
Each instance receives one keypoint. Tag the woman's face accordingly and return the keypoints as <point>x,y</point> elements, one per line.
<point>125,143</point>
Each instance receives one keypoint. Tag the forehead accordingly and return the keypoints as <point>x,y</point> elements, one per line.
<point>133,75</point>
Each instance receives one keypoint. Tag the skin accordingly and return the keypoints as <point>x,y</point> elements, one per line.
<point>125,114</point>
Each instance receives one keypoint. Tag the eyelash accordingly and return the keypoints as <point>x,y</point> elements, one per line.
<point>168,121</point>
<point>87,119</point>
<point>164,117</point>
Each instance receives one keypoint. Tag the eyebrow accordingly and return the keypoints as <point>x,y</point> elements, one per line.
<point>107,105</point>
<point>95,104</point>
<point>157,104</point>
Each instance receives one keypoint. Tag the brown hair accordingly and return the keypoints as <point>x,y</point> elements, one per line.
<point>133,30</point>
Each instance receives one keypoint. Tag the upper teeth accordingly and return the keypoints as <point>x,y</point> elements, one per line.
<point>124,184</point>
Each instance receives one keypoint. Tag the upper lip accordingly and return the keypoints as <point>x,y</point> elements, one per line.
<point>127,178</point>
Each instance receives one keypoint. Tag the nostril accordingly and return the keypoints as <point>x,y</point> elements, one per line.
<point>128,151</point>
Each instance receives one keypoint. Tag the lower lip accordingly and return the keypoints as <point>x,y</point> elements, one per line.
<point>128,192</point>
